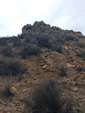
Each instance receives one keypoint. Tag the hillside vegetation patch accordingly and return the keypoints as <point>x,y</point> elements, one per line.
<point>10,67</point>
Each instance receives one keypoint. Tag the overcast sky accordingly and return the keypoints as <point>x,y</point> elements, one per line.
<point>66,14</point>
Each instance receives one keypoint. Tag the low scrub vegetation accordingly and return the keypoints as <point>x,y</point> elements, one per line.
<point>70,37</point>
<point>7,51</point>
<point>44,40</point>
<point>29,50</point>
<point>81,44</point>
<point>3,41</point>
<point>16,42</point>
<point>81,54</point>
<point>56,47</point>
<point>47,99</point>
<point>10,67</point>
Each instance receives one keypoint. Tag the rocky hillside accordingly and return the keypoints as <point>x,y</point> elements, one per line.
<point>39,53</point>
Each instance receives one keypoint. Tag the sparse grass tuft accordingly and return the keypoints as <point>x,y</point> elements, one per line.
<point>47,99</point>
<point>10,67</point>
<point>29,50</point>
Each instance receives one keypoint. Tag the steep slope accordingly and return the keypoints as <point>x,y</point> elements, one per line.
<point>49,52</point>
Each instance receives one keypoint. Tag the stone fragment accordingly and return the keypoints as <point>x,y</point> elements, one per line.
<point>75,89</point>
<point>70,65</point>
<point>44,67</point>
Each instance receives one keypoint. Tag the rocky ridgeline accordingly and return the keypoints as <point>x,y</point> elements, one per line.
<point>46,28</point>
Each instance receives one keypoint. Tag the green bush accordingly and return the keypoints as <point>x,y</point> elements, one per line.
<point>69,37</point>
<point>28,39</point>
<point>7,51</point>
<point>81,54</point>
<point>29,50</point>
<point>61,41</point>
<point>77,40</point>
<point>10,67</point>
<point>43,40</point>
<point>3,41</point>
<point>47,99</point>
<point>16,42</point>
<point>56,47</point>
<point>81,44</point>
<point>31,40</point>
<point>27,27</point>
